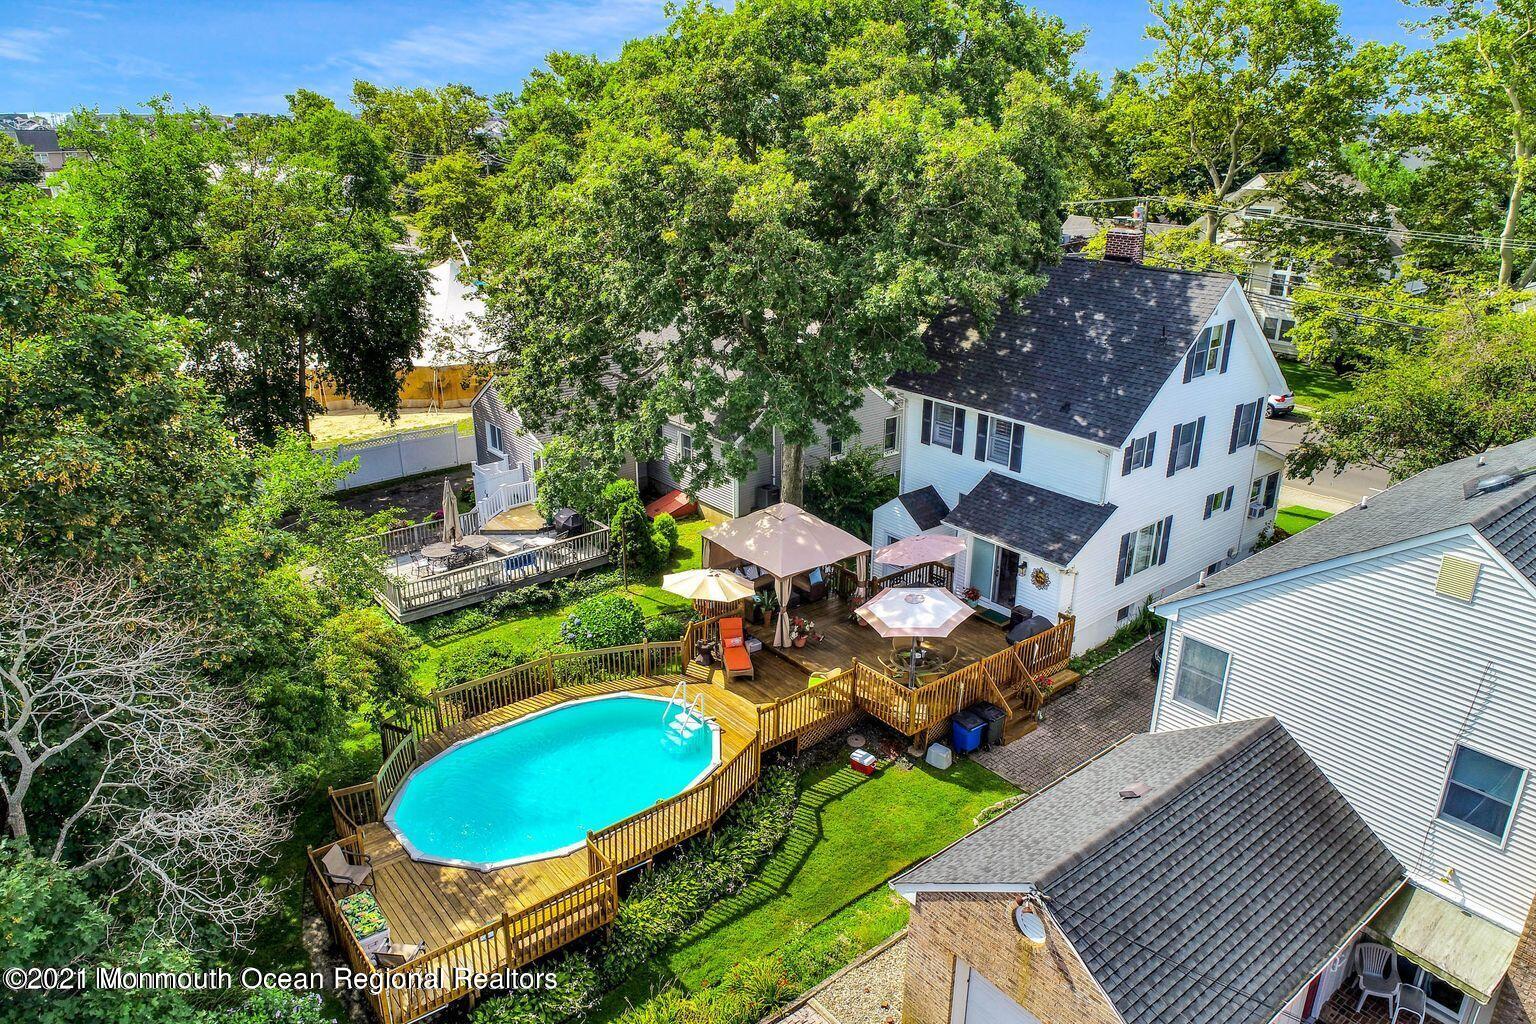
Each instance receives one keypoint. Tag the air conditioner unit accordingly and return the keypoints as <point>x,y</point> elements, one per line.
<point>1256,510</point>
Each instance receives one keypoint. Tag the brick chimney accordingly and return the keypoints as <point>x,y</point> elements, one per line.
<point>1125,245</point>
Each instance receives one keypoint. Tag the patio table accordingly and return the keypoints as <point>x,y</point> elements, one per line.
<point>439,552</point>
<point>475,542</point>
<point>932,658</point>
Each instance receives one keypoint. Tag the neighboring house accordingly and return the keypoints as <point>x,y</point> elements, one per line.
<point>507,451</point>
<point>1099,448</point>
<point>1077,230</point>
<point>1208,876</point>
<point>40,136</point>
<point>1395,642</point>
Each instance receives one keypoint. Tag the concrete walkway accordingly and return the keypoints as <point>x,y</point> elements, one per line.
<point>1107,705</point>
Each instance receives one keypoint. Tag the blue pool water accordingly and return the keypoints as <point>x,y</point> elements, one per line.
<point>537,786</point>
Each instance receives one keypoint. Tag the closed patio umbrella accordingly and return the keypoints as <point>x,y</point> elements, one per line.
<point>920,549</point>
<point>451,532</point>
<point>916,612</point>
<point>714,585</point>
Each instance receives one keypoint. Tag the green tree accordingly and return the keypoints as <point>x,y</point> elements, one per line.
<point>1473,387</point>
<point>18,164</point>
<point>573,474</point>
<point>845,491</point>
<point>423,123</point>
<point>451,198</point>
<point>1233,83</point>
<point>1471,110</point>
<point>768,201</point>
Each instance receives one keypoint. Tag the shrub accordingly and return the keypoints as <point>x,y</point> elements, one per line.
<point>630,533</point>
<point>572,476</point>
<point>662,905</point>
<point>473,660</point>
<point>668,627</point>
<point>607,620</point>
<point>664,530</point>
<point>846,491</point>
<point>618,492</point>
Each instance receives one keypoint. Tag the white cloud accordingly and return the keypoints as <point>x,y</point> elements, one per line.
<point>26,45</point>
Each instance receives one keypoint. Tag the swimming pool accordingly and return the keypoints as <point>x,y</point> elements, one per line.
<point>535,787</point>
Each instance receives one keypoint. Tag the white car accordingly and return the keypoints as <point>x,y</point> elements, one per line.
<point>1280,405</point>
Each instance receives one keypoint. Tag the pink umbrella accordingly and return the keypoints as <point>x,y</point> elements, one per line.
<point>920,549</point>
<point>915,612</point>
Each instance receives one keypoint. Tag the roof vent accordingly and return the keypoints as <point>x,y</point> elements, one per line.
<point>1135,791</point>
<point>1458,577</point>
<point>1491,482</point>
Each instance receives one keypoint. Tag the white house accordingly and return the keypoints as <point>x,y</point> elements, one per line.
<point>508,452</point>
<point>1098,448</point>
<point>1395,643</point>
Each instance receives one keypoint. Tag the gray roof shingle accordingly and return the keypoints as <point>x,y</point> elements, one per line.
<point>1423,504</point>
<point>1027,518</point>
<point>926,507</point>
<point>1242,864</point>
<point>1085,355</point>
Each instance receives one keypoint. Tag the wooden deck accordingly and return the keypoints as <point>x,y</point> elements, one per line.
<point>436,904</point>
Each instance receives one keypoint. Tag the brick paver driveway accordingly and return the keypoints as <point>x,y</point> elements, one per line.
<point>1107,705</point>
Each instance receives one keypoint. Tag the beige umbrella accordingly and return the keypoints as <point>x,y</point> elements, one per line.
<point>715,585</point>
<point>916,612</point>
<point>451,532</point>
<point>920,549</point>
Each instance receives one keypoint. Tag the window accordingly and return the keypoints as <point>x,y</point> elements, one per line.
<point>1247,420</point>
<point>1257,212</point>
<point>1216,502</point>
<point>1000,442</point>
<point>1214,353</point>
<point>1264,493</point>
<point>944,425</point>
<point>1143,548</point>
<point>1481,793</point>
<point>1209,354</point>
<point>1202,676</point>
<point>835,445</point>
<point>1138,453</point>
<point>1277,328</point>
<point>1284,279</point>
<point>1185,451</point>
<point>493,439</point>
<point>685,445</point>
<point>1124,613</point>
<point>891,426</point>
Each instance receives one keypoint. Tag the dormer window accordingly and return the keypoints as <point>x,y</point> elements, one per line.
<point>1210,352</point>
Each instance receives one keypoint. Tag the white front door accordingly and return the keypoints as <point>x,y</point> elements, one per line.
<point>978,1001</point>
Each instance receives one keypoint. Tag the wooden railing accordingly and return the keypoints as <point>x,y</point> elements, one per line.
<point>353,807</point>
<point>495,572</point>
<point>394,770</point>
<point>792,716</point>
<point>929,574</point>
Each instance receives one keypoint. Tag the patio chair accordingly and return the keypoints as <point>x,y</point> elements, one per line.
<point>340,869</point>
<point>1410,999</point>
<point>733,649</point>
<point>395,954</point>
<point>1377,974</point>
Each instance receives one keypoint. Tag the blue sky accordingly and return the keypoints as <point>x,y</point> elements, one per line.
<point>233,56</point>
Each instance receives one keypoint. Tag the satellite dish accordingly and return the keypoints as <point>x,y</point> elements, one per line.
<point>1029,923</point>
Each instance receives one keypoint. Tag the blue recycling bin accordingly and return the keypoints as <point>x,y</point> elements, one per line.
<point>966,730</point>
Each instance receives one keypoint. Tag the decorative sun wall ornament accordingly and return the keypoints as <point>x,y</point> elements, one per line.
<point>1040,579</point>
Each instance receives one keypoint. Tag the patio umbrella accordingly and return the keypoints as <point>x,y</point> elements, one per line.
<point>920,549</point>
<point>715,585</point>
<point>916,612</point>
<point>451,532</point>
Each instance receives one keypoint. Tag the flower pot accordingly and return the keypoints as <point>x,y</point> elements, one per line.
<point>799,641</point>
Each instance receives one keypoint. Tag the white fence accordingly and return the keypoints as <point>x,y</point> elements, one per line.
<point>406,453</point>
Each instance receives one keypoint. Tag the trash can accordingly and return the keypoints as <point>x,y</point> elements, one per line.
<point>965,731</point>
<point>995,717</point>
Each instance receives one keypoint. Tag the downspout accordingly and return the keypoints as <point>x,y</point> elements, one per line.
<point>1070,597</point>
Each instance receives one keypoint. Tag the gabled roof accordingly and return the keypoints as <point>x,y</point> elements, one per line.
<point>1240,863</point>
<point>1029,519</point>
<point>1085,355</point>
<point>1427,503</point>
<point>926,507</point>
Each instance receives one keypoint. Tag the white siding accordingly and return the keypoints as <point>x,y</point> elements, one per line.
<point>723,497</point>
<point>871,417</point>
<point>1374,672</point>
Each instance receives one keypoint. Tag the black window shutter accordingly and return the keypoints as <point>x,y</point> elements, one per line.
<point>1238,427</point>
<point>927,421</point>
<point>1123,563</point>
<point>1194,459</point>
<point>1173,448</point>
<point>1162,554</point>
<point>959,447</point>
<point>1208,506</point>
<point>1189,363</point>
<point>1257,429</point>
<point>1226,351</point>
<point>1125,461</point>
<point>981,439</point>
<point>1229,498</point>
<point>1016,450</point>
<point>1151,447</point>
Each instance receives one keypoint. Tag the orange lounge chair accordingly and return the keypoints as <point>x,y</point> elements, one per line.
<point>733,648</point>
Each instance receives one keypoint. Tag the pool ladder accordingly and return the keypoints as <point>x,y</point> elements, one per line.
<point>682,726</point>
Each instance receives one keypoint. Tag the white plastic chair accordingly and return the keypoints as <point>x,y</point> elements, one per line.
<point>1378,974</point>
<point>1410,999</point>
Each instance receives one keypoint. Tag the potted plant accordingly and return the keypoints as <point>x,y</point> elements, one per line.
<point>971,595</point>
<point>764,604</point>
<point>801,631</point>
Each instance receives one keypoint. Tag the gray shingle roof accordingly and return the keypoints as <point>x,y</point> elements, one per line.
<point>1027,518</point>
<point>1085,355</point>
<point>926,507</point>
<point>1424,504</point>
<point>1241,864</point>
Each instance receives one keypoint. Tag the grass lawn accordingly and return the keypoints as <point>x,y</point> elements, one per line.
<point>1313,385</point>
<point>345,427</point>
<point>850,835</point>
<point>1294,518</point>
<point>545,626</point>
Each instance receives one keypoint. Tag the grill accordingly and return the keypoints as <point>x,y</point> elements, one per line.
<point>567,522</point>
